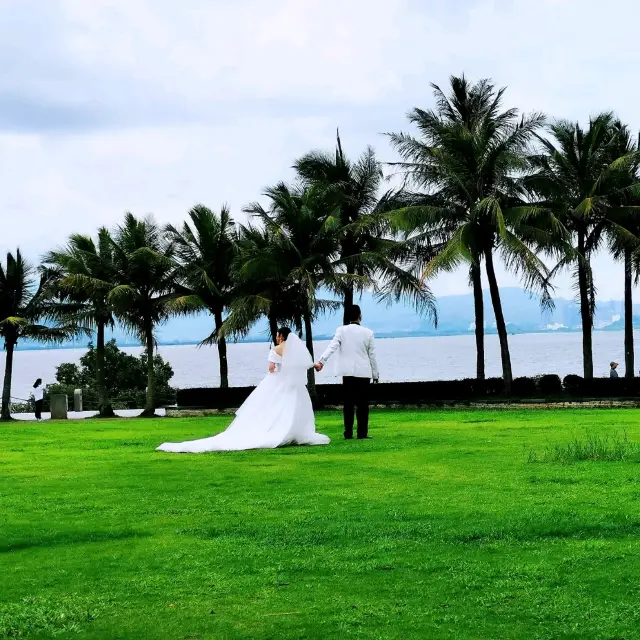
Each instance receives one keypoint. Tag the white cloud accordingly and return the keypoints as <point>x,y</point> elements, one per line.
<point>53,185</point>
<point>320,50</point>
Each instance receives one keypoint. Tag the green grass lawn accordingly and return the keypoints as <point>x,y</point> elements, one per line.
<point>439,527</point>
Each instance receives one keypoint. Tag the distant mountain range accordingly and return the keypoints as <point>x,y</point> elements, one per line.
<point>455,313</point>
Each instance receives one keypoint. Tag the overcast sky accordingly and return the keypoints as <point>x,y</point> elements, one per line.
<point>156,105</point>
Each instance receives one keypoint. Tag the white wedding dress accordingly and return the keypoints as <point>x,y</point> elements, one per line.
<point>276,414</point>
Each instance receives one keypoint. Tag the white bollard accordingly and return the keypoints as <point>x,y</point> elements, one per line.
<point>77,400</point>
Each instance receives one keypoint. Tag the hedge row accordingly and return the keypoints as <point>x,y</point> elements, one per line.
<point>602,387</point>
<point>437,391</point>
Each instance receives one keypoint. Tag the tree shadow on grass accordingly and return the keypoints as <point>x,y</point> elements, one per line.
<point>69,538</point>
<point>557,530</point>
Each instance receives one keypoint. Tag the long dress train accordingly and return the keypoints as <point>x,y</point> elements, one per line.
<point>276,414</point>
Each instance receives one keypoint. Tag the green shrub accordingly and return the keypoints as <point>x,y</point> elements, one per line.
<point>125,379</point>
<point>573,385</point>
<point>524,387</point>
<point>550,385</point>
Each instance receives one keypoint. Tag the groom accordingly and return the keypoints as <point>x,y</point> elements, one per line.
<point>357,366</point>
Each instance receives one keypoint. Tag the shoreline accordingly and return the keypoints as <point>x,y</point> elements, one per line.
<point>320,338</point>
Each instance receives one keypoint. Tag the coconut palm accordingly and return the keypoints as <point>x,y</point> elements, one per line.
<point>625,249</point>
<point>293,258</point>
<point>582,177</point>
<point>27,312</point>
<point>261,289</point>
<point>206,249</point>
<point>144,291</point>
<point>368,253</point>
<point>623,238</point>
<point>84,273</point>
<point>466,164</point>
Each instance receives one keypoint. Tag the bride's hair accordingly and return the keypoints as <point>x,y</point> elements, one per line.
<point>284,332</point>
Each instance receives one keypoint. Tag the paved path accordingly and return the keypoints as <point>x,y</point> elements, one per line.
<point>80,415</point>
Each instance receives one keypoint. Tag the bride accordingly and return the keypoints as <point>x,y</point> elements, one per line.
<point>276,414</point>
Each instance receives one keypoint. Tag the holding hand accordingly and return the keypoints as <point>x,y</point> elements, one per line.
<point>318,366</point>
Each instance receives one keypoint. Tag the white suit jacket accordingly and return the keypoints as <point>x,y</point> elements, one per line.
<point>356,352</point>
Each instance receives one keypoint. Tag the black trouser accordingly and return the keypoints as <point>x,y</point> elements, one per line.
<point>39,409</point>
<point>356,403</point>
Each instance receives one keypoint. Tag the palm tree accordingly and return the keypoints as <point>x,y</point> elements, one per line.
<point>625,248</point>
<point>261,289</point>
<point>84,273</point>
<point>623,237</point>
<point>467,163</point>
<point>25,308</point>
<point>368,253</point>
<point>583,177</point>
<point>206,250</point>
<point>289,260</point>
<point>144,292</point>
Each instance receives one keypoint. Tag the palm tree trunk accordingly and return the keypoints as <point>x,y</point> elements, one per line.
<point>298,322</point>
<point>585,312</point>
<point>478,305</point>
<point>104,404</point>
<point>6,387</point>
<point>628,315</point>
<point>501,325</point>
<point>150,406</point>
<point>222,353</point>
<point>311,377</point>
<point>273,327</point>
<point>348,299</point>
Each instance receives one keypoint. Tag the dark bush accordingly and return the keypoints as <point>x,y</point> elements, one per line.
<point>494,387</point>
<point>574,385</point>
<point>524,387</point>
<point>612,388</point>
<point>212,397</point>
<point>434,392</point>
<point>550,385</point>
<point>602,387</point>
<point>409,392</point>
<point>438,390</point>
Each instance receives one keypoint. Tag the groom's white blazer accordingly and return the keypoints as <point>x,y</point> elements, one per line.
<point>356,352</point>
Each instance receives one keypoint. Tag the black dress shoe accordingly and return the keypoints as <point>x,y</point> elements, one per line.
<point>348,437</point>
